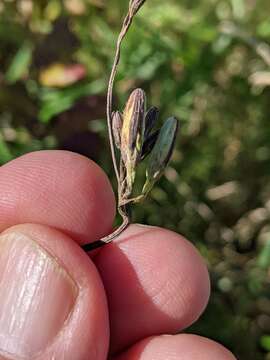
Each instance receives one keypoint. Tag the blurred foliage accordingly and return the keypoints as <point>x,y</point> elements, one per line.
<point>205,61</point>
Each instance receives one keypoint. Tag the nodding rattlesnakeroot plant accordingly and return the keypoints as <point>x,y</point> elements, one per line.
<point>132,134</point>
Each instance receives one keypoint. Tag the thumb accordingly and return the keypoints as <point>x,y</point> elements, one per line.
<point>52,302</point>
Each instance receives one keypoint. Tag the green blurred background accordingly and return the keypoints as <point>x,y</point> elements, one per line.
<point>205,61</point>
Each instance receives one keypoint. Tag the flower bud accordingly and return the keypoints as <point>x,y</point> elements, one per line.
<point>161,153</point>
<point>151,118</point>
<point>149,143</point>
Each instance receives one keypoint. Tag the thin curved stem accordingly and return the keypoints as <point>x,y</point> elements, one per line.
<point>134,6</point>
<point>122,34</point>
<point>107,239</point>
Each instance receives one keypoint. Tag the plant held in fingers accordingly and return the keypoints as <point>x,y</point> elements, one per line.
<point>132,133</point>
<point>135,138</point>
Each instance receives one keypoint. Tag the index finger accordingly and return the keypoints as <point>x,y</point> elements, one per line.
<point>60,189</point>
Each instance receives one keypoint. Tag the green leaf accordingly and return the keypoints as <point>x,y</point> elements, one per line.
<point>161,153</point>
<point>57,101</point>
<point>263,29</point>
<point>20,63</point>
<point>264,257</point>
<point>5,154</point>
<point>265,342</point>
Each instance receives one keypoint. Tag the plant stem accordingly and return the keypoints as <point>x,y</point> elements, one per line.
<point>107,239</point>
<point>134,6</point>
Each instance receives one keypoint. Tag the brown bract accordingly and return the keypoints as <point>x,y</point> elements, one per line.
<point>132,135</point>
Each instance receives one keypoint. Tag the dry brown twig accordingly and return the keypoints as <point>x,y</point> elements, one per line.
<point>132,133</point>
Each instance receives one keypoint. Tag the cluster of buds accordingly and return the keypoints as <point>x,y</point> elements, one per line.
<point>135,137</point>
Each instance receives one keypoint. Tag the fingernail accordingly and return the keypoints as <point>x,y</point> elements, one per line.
<point>36,296</point>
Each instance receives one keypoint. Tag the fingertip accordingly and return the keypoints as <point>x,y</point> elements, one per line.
<point>180,347</point>
<point>60,189</point>
<point>156,282</point>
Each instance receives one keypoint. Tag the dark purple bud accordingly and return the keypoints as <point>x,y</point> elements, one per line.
<point>150,120</point>
<point>149,143</point>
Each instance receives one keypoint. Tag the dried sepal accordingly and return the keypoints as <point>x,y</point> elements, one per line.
<point>117,124</point>
<point>132,135</point>
<point>161,153</point>
<point>151,118</point>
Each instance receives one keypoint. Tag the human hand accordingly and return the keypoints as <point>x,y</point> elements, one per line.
<point>56,302</point>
